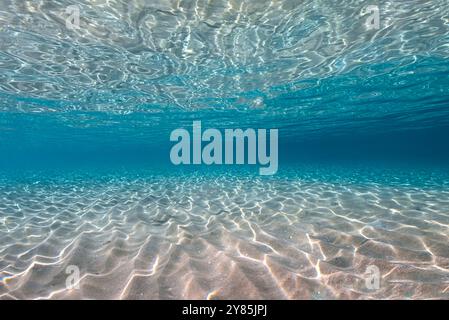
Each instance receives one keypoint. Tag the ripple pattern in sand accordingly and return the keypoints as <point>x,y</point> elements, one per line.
<point>222,237</point>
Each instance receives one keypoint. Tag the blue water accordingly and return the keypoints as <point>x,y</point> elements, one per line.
<point>85,121</point>
<point>349,117</point>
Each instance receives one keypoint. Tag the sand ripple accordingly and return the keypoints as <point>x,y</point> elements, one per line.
<point>222,237</point>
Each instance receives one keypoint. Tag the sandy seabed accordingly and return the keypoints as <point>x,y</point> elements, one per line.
<point>224,237</point>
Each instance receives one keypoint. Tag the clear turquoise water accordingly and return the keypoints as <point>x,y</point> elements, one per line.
<point>86,178</point>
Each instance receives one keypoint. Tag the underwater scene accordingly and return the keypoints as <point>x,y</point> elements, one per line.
<point>224,149</point>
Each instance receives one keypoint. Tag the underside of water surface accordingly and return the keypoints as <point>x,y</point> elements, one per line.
<point>87,107</point>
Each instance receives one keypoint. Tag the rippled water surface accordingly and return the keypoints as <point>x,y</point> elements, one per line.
<point>85,175</point>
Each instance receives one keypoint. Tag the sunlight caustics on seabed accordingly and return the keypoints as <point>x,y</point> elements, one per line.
<point>86,180</point>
